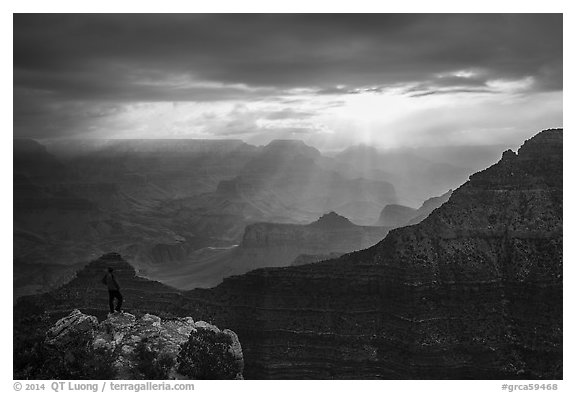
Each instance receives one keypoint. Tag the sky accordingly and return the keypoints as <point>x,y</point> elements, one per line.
<point>387,80</point>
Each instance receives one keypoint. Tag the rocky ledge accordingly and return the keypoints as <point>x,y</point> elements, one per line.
<point>125,337</point>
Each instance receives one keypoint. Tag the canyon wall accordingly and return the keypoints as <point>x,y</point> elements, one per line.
<point>473,291</point>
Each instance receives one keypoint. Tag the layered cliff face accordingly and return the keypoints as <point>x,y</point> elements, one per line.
<point>275,245</point>
<point>331,232</point>
<point>473,291</point>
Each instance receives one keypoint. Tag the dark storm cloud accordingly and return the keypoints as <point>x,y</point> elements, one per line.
<point>287,50</point>
<point>114,86</point>
<point>159,57</point>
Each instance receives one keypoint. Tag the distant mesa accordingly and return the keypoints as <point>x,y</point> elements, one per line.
<point>332,220</point>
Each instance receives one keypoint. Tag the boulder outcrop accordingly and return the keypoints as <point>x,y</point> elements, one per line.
<point>125,336</point>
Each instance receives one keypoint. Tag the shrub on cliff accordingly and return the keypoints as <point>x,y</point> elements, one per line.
<point>151,364</point>
<point>206,355</point>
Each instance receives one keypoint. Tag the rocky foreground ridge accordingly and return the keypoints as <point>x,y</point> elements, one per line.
<point>130,342</point>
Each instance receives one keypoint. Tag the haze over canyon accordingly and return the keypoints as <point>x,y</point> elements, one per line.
<point>190,212</point>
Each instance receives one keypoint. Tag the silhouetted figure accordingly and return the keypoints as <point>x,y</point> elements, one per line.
<point>113,290</point>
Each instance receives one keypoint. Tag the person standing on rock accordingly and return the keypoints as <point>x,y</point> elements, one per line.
<point>113,290</point>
